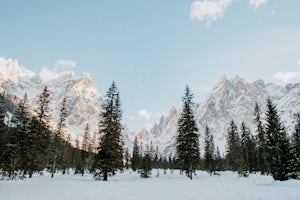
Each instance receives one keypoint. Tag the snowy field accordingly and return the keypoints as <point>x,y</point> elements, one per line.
<point>132,187</point>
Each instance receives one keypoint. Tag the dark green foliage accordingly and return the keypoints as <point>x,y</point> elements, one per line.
<point>127,158</point>
<point>58,137</point>
<point>209,148</point>
<point>146,164</point>
<point>233,147</point>
<point>110,152</point>
<point>136,159</point>
<point>262,163</point>
<point>295,152</point>
<point>187,140</point>
<point>277,144</point>
<point>248,148</point>
<point>3,129</point>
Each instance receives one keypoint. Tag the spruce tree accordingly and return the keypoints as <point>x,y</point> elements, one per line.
<point>58,137</point>
<point>295,151</point>
<point>187,140</point>
<point>209,149</point>
<point>245,145</point>
<point>262,162</point>
<point>277,144</point>
<point>109,158</point>
<point>21,121</point>
<point>40,134</point>
<point>233,147</point>
<point>135,162</point>
<point>146,164</point>
<point>3,129</point>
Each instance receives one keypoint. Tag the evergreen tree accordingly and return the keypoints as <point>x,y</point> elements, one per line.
<point>295,151</point>
<point>245,146</point>
<point>21,121</point>
<point>209,149</point>
<point>146,165</point>
<point>277,144</point>
<point>85,149</point>
<point>78,162</point>
<point>59,134</point>
<point>127,158</point>
<point>233,147</point>
<point>135,161</point>
<point>40,134</point>
<point>3,130</point>
<point>187,140</point>
<point>110,152</point>
<point>261,142</point>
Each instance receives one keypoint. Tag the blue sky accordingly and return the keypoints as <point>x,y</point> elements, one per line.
<point>153,49</point>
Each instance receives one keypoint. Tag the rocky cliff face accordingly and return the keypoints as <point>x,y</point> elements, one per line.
<point>83,99</point>
<point>230,99</point>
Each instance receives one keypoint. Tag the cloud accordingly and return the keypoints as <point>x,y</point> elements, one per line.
<point>208,10</point>
<point>257,3</point>
<point>65,63</point>
<point>47,74</point>
<point>286,77</point>
<point>145,114</point>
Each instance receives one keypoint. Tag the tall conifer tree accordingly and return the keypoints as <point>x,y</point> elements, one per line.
<point>187,140</point>
<point>110,152</point>
<point>277,144</point>
<point>262,162</point>
<point>233,147</point>
<point>209,149</point>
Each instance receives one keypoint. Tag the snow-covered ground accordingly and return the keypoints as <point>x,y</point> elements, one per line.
<point>132,187</point>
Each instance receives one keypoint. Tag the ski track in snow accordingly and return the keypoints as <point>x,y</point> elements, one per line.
<point>127,186</point>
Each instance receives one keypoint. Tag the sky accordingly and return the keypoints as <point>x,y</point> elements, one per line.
<point>153,49</point>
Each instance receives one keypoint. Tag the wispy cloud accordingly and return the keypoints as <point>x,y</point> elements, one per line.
<point>286,77</point>
<point>60,67</point>
<point>145,114</point>
<point>208,10</point>
<point>66,63</point>
<point>257,3</point>
<point>47,74</point>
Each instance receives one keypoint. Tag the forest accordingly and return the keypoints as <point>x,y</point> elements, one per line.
<point>29,145</point>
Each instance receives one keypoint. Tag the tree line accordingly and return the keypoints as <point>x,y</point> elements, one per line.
<point>27,145</point>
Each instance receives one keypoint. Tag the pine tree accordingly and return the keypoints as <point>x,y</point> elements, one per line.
<point>261,142</point>
<point>58,137</point>
<point>295,151</point>
<point>85,149</point>
<point>40,134</point>
<point>110,152</point>
<point>135,161</point>
<point>233,147</point>
<point>146,165</point>
<point>3,129</point>
<point>187,140</point>
<point>209,149</point>
<point>127,158</point>
<point>277,144</point>
<point>21,121</point>
<point>245,145</point>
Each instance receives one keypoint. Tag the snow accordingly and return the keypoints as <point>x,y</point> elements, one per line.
<point>170,186</point>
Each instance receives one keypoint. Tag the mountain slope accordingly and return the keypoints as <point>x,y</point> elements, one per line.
<point>83,99</point>
<point>230,99</point>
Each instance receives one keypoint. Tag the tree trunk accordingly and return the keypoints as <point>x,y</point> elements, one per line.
<point>105,176</point>
<point>54,165</point>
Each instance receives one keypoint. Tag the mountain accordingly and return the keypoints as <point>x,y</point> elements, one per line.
<point>83,99</point>
<point>230,99</point>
